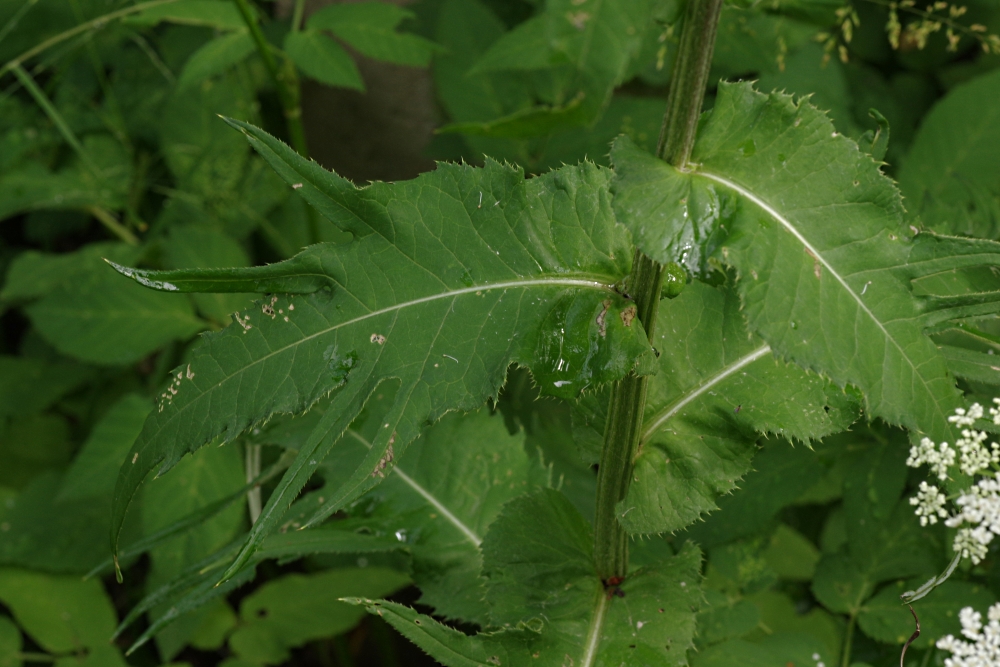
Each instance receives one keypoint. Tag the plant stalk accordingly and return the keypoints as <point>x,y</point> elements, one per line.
<point>286,80</point>
<point>628,397</point>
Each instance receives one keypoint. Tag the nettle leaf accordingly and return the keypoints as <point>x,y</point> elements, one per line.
<point>451,278</point>
<point>370,28</point>
<point>718,388</point>
<point>949,175</point>
<point>440,499</point>
<point>549,607</point>
<point>815,232</point>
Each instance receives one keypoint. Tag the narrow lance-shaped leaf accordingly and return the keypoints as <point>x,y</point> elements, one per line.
<point>718,388</point>
<point>548,606</point>
<point>815,232</point>
<point>451,278</point>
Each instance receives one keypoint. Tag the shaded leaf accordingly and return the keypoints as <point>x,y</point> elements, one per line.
<point>30,385</point>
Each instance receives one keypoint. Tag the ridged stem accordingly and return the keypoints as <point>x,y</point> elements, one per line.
<point>628,397</point>
<point>285,78</point>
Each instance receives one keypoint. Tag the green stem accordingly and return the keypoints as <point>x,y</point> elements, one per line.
<point>286,81</point>
<point>111,223</point>
<point>297,12</point>
<point>845,651</point>
<point>688,81</point>
<point>628,398</point>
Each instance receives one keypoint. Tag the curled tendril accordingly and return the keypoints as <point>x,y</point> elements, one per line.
<point>912,637</point>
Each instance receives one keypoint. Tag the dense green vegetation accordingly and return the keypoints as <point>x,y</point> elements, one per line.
<point>608,385</point>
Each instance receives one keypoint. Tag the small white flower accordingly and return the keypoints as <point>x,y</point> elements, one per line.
<point>995,412</point>
<point>975,456</point>
<point>930,504</point>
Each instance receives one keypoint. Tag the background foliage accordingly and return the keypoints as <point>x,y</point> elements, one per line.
<point>111,147</point>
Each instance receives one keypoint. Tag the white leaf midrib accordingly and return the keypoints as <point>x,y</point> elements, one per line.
<point>513,284</point>
<point>818,257</point>
<point>469,534</point>
<point>700,389</point>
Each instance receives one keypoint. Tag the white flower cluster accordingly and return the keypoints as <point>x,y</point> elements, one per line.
<point>978,507</point>
<point>984,648</point>
<point>930,504</point>
<point>939,459</point>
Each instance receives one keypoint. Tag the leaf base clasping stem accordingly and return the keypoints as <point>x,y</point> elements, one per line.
<point>628,397</point>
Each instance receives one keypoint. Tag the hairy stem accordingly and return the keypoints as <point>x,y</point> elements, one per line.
<point>628,398</point>
<point>286,80</point>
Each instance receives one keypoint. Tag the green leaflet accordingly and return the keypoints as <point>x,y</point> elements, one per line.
<point>453,276</point>
<point>548,607</point>
<point>441,499</point>
<point>718,388</point>
<point>815,232</point>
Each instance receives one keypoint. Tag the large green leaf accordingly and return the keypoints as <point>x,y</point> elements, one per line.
<point>441,499</point>
<point>815,232</point>
<point>451,278</point>
<point>949,177</point>
<point>718,388</point>
<point>10,643</point>
<point>548,606</point>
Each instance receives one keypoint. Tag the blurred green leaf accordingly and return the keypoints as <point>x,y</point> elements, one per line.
<point>101,319</point>
<point>888,620</point>
<point>28,385</point>
<point>191,246</point>
<point>949,175</point>
<point>10,643</point>
<point>370,28</point>
<point>215,57</point>
<point>61,613</point>
<point>205,13</point>
<point>289,611</point>
<point>321,58</point>
<point>94,468</point>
